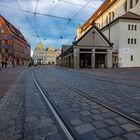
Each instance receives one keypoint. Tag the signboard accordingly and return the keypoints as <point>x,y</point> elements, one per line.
<point>125,50</point>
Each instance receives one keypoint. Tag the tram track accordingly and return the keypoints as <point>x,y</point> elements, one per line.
<point>85,95</point>
<point>98,78</point>
<point>61,121</point>
<point>133,120</point>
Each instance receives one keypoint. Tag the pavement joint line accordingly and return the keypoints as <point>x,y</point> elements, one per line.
<point>102,104</point>
<point>67,133</point>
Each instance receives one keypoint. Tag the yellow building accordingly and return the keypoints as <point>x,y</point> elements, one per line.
<point>39,55</point>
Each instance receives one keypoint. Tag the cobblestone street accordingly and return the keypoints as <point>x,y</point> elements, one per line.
<point>24,114</point>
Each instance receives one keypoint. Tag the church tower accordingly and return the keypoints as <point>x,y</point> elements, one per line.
<point>78,31</point>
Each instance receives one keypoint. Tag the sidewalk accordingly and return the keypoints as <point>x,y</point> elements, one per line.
<point>8,76</point>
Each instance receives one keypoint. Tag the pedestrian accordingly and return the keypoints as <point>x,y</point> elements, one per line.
<point>5,64</point>
<point>13,62</point>
<point>2,63</point>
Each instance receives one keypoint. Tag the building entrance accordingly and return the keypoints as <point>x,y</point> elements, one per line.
<point>100,60</point>
<point>85,60</point>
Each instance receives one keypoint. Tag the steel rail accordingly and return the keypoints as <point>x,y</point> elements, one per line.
<point>98,102</point>
<point>99,78</point>
<point>56,115</point>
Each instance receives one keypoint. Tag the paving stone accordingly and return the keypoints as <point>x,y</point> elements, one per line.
<point>95,111</point>
<point>86,119</point>
<point>76,122</point>
<point>109,115</point>
<point>116,130</point>
<point>117,138</point>
<point>103,133</point>
<point>132,136</point>
<point>129,127</point>
<point>97,117</point>
<point>89,136</point>
<point>75,109</point>
<point>138,133</point>
<point>121,120</point>
<point>81,129</point>
<point>110,122</point>
<point>99,124</point>
<point>85,113</point>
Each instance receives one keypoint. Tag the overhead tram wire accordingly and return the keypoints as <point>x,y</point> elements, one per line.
<point>41,14</point>
<point>60,36</point>
<point>36,20</point>
<point>75,4</point>
<point>26,17</point>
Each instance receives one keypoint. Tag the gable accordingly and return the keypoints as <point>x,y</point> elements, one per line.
<point>93,37</point>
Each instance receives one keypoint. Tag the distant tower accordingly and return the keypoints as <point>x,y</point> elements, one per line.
<point>78,31</point>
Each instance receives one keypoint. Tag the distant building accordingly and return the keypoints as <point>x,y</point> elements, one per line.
<point>52,54</point>
<point>39,55</point>
<point>13,45</point>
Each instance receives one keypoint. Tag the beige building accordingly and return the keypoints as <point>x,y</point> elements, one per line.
<point>39,55</point>
<point>92,50</point>
<point>119,21</point>
<point>51,55</point>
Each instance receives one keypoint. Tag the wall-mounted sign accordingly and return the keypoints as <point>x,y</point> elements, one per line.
<point>125,50</point>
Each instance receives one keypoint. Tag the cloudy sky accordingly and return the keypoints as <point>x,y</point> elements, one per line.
<point>51,30</point>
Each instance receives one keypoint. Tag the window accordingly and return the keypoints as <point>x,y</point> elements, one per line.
<point>132,40</point>
<point>131,4</point>
<point>6,42</point>
<point>132,27</point>
<point>135,41</point>
<point>128,40</point>
<point>135,27</point>
<point>129,27</point>
<point>131,58</point>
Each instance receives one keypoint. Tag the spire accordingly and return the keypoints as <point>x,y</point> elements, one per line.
<point>79,26</point>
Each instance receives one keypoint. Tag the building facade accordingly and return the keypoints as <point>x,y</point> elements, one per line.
<point>119,21</point>
<point>39,55</point>
<point>92,50</point>
<point>13,46</point>
<point>52,54</point>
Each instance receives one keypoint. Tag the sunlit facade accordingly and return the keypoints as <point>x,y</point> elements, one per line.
<point>13,45</point>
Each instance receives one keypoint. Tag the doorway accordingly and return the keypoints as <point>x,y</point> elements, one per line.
<point>85,60</point>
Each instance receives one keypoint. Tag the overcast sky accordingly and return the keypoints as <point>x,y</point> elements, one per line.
<point>48,28</point>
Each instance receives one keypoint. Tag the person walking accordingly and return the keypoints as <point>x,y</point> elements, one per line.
<point>5,64</point>
<point>2,63</point>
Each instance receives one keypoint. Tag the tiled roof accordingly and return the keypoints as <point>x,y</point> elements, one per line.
<point>13,29</point>
<point>98,13</point>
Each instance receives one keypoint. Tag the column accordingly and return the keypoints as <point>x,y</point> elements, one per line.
<point>134,3</point>
<point>93,59</point>
<point>128,5</point>
<point>109,58</point>
<point>76,57</point>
